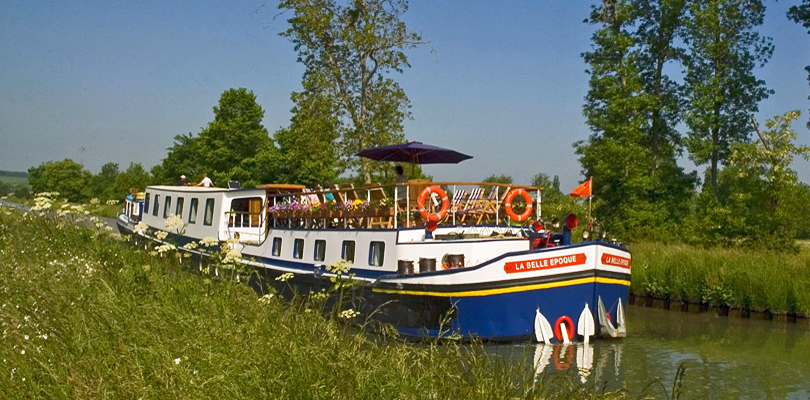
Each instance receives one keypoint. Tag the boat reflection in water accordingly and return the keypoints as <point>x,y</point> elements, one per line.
<point>578,357</point>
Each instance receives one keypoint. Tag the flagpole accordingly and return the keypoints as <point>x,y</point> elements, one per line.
<point>589,201</point>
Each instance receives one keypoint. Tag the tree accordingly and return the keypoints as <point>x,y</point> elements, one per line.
<point>723,91</point>
<point>66,177</point>
<point>767,163</point>
<point>348,50</point>
<point>308,149</point>
<point>631,108</point>
<point>102,184</point>
<point>134,177</point>
<point>660,22</point>
<point>502,179</point>
<point>228,148</point>
<point>801,15</point>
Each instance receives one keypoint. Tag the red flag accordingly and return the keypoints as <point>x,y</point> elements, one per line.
<point>583,190</point>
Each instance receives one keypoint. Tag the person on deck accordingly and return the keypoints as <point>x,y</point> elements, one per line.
<point>182,181</point>
<point>328,196</point>
<point>401,178</point>
<point>206,181</point>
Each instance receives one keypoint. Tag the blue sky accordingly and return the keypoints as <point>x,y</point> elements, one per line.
<point>502,81</point>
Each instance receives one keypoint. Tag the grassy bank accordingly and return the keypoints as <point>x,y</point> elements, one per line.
<point>83,315</point>
<point>738,278</point>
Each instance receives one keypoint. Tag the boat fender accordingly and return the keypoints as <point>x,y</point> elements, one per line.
<point>508,205</point>
<point>569,328</point>
<point>559,364</point>
<point>420,201</point>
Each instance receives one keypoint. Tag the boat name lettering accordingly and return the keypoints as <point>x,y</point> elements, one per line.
<point>545,263</point>
<point>615,261</point>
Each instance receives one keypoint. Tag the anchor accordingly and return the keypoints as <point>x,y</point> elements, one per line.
<point>606,327</point>
<point>542,329</point>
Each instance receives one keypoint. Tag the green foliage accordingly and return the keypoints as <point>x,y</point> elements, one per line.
<point>631,108</point>
<point>103,183</point>
<point>740,278</point>
<point>308,150</point>
<point>66,177</point>
<point>724,48</point>
<point>233,146</point>
<point>801,15</point>
<point>134,177</point>
<point>348,50</point>
<point>505,179</point>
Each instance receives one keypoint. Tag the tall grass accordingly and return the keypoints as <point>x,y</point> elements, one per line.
<point>84,315</point>
<point>740,278</point>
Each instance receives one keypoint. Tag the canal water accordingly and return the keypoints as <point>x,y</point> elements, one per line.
<point>724,358</point>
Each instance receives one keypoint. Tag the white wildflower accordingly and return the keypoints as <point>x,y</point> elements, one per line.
<point>175,222</point>
<point>190,245</point>
<point>140,228</point>
<point>94,201</point>
<point>176,361</point>
<point>348,314</point>
<point>285,277</point>
<point>112,202</point>
<point>209,241</point>
<point>161,235</point>
<point>339,266</point>
<point>232,256</point>
<point>164,248</point>
<point>266,298</point>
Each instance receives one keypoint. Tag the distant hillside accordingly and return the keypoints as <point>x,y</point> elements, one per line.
<point>14,177</point>
<point>14,174</point>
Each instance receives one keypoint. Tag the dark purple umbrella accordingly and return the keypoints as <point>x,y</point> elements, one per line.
<point>414,152</point>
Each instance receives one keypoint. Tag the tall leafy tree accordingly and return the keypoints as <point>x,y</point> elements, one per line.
<point>308,149</point>
<point>724,49</point>
<point>351,48</point>
<point>230,147</point>
<point>102,184</point>
<point>615,153</point>
<point>632,108</point>
<point>800,14</point>
<point>660,24</point>
<point>67,177</point>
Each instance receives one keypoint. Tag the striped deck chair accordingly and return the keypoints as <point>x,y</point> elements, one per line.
<point>457,204</point>
<point>489,206</point>
<point>473,204</point>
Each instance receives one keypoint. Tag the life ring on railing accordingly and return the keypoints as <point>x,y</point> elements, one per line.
<point>569,328</point>
<point>559,364</point>
<point>508,205</point>
<point>420,201</point>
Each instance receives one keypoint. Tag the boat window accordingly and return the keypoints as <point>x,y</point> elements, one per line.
<point>347,251</point>
<point>246,212</point>
<point>146,202</point>
<point>320,250</point>
<point>167,206</point>
<point>192,211</point>
<point>208,217</point>
<point>298,248</point>
<point>376,254</point>
<point>277,247</point>
<point>155,208</point>
<point>178,210</point>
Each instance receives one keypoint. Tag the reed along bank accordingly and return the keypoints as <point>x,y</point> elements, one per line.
<point>774,282</point>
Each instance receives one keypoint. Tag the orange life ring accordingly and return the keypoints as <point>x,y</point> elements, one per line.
<point>508,205</point>
<point>569,358</point>
<point>420,201</point>
<point>569,327</point>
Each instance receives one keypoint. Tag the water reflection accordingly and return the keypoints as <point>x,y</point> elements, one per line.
<point>724,357</point>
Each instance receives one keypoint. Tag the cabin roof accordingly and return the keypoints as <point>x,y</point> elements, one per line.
<point>197,189</point>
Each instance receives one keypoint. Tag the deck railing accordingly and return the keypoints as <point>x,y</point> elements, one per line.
<point>369,206</point>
